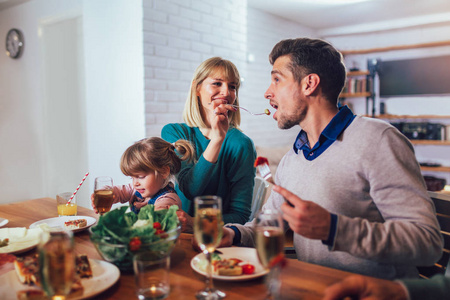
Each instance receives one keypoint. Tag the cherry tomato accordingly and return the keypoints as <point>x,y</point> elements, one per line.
<point>157,225</point>
<point>248,269</point>
<point>135,243</point>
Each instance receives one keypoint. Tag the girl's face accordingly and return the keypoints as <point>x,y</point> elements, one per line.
<point>216,87</point>
<point>148,184</point>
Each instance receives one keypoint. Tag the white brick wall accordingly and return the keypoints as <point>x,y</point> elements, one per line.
<point>178,36</point>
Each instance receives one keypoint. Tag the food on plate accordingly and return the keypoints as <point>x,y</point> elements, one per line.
<point>75,224</point>
<point>6,258</point>
<point>27,269</point>
<point>228,266</point>
<point>19,238</point>
<point>83,267</point>
<point>4,242</point>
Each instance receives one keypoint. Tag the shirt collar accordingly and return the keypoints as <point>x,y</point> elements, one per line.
<point>331,132</point>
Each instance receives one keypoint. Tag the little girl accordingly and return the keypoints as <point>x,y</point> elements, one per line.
<point>152,163</point>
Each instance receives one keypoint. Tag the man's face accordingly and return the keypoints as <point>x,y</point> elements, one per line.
<point>285,95</point>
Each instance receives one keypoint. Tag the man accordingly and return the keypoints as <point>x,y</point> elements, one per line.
<point>359,201</point>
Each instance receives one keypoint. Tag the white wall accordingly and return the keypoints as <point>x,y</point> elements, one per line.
<point>419,105</point>
<point>113,93</point>
<point>179,35</point>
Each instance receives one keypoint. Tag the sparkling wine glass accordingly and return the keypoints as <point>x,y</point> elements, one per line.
<point>57,263</point>
<point>270,248</point>
<point>208,233</point>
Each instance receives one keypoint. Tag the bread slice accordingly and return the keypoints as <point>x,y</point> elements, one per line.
<point>227,267</point>
<point>75,224</point>
<point>27,269</point>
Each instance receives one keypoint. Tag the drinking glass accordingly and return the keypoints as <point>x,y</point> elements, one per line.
<point>64,207</point>
<point>103,194</point>
<point>208,233</point>
<point>56,263</point>
<point>270,248</point>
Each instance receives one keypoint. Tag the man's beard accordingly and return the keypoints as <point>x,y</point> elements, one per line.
<point>289,121</point>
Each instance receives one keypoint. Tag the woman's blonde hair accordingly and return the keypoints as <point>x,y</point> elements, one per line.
<point>153,155</point>
<point>192,110</point>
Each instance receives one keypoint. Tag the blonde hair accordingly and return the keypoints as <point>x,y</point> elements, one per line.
<point>192,109</point>
<point>153,155</point>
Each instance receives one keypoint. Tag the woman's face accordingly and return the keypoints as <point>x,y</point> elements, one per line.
<point>216,87</point>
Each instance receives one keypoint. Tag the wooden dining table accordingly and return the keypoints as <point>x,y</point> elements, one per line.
<point>300,280</point>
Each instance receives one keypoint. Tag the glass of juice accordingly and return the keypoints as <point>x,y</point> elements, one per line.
<point>66,208</point>
<point>103,194</point>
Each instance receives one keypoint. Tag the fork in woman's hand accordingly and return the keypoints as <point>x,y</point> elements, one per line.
<point>266,111</point>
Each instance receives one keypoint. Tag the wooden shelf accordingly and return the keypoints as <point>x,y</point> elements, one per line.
<point>357,73</point>
<point>435,169</point>
<point>354,95</point>
<point>390,117</point>
<point>430,142</point>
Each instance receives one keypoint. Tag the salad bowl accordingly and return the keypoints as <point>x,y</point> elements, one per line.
<point>118,239</point>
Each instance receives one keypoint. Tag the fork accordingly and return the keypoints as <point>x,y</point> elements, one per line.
<point>266,112</point>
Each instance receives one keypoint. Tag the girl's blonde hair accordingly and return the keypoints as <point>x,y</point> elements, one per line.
<point>192,109</point>
<point>153,155</point>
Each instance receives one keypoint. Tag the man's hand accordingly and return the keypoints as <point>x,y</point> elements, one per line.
<point>227,239</point>
<point>305,217</point>
<point>365,288</point>
<point>186,221</point>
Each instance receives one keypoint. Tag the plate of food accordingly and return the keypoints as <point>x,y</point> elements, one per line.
<point>17,240</point>
<point>74,223</point>
<point>94,277</point>
<point>3,222</point>
<point>234,264</point>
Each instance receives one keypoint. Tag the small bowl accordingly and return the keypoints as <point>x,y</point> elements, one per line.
<point>121,255</point>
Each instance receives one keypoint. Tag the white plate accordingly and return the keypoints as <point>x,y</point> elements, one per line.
<point>104,276</point>
<point>21,239</point>
<point>58,222</point>
<point>247,255</point>
<point>3,222</point>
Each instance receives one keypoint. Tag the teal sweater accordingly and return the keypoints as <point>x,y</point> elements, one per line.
<point>231,177</point>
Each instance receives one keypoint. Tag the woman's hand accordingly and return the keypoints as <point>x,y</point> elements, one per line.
<point>187,222</point>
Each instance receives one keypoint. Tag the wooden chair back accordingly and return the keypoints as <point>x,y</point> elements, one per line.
<point>442,266</point>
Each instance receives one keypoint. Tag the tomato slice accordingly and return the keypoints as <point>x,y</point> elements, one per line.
<point>248,269</point>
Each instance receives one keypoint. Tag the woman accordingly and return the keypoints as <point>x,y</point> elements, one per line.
<point>224,155</point>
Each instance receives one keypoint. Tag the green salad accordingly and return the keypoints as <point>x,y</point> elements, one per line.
<point>119,234</point>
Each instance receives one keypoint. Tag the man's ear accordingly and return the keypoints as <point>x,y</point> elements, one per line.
<point>310,83</point>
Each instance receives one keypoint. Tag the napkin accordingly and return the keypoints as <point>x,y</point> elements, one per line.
<point>19,238</point>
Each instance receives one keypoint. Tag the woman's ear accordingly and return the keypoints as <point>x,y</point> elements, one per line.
<point>311,82</point>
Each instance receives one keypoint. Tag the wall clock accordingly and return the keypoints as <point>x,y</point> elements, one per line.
<point>14,43</point>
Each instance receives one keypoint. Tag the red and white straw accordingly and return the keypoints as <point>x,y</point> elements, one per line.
<point>82,180</point>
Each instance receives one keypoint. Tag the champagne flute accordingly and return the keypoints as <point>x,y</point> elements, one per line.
<point>57,263</point>
<point>208,233</point>
<point>270,248</point>
<point>103,194</point>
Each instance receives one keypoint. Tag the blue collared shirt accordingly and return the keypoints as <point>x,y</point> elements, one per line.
<point>327,137</point>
